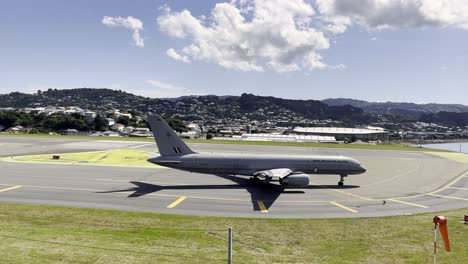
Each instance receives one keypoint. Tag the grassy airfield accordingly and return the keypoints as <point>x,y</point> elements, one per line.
<point>238,142</point>
<point>47,234</point>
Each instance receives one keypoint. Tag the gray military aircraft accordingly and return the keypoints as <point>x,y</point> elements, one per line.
<point>288,170</point>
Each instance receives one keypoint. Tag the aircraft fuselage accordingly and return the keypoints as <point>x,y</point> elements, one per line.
<point>249,164</point>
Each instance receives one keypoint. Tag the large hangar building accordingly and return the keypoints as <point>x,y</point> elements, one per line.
<point>343,133</point>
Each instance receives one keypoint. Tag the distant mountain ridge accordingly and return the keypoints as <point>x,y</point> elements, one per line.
<point>397,107</point>
<point>207,107</point>
<point>214,108</point>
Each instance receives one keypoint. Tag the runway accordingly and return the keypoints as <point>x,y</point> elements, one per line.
<point>396,183</point>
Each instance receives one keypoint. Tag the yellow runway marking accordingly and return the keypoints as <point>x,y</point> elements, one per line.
<point>262,207</point>
<point>328,191</point>
<point>176,202</point>
<point>459,188</point>
<point>407,203</point>
<point>346,193</point>
<point>344,207</point>
<point>406,158</point>
<point>449,197</point>
<point>11,188</point>
<point>114,157</point>
<point>453,182</point>
<point>439,190</point>
<point>353,195</point>
<point>460,157</point>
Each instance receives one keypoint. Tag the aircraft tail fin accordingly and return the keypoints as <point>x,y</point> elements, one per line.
<point>168,142</point>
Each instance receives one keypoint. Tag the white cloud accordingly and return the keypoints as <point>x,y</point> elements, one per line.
<point>176,56</point>
<point>129,22</point>
<point>168,90</point>
<point>251,35</point>
<point>290,35</point>
<point>339,67</point>
<point>395,14</point>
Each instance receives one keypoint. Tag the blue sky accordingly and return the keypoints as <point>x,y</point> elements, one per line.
<point>65,44</point>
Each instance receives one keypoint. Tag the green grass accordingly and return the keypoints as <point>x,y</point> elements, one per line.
<point>237,142</point>
<point>74,137</point>
<point>460,157</point>
<point>46,234</point>
<point>116,157</point>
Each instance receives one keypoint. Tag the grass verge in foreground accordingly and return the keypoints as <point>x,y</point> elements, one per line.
<point>239,142</point>
<point>46,234</point>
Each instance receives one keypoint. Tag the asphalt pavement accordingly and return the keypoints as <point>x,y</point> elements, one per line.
<point>396,183</point>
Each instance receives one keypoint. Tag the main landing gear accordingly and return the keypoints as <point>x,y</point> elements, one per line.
<point>341,182</point>
<point>257,180</point>
<point>254,179</point>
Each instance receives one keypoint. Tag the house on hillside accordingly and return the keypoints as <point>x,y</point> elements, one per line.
<point>110,121</point>
<point>128,129</point>
<point>17,129</point>
<point>70,132</point>
<point>89,114</point>
<point>117,127</point>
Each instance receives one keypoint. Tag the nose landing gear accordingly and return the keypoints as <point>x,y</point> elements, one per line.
<point>341,182</point>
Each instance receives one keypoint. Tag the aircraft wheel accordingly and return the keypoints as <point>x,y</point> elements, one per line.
<point>254,180</point>
<point>340,183</point>
<point>315,170</point>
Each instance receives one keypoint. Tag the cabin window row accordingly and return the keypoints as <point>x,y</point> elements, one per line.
<point>331,161</point>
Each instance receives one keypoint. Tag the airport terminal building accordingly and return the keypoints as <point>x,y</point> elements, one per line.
<point>280,138</point>
<point>343,133</point>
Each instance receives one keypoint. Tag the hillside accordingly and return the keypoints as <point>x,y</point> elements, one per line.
<point>239,109</point>
<point>397,108</point>
<point>209,107</point>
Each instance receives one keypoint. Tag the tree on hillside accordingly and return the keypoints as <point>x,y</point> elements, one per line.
<point>176,124</point>
<point>100,123</point>
<point>8,118</point>
<point>122,120</point>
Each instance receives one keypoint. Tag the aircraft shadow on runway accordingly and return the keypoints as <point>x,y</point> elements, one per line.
<point>264,192</point>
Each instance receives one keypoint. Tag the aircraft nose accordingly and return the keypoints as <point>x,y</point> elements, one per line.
<point>363,169</point>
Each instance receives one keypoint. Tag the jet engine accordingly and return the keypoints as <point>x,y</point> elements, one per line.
<point>295,180</point>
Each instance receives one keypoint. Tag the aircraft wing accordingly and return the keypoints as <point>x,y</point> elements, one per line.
<point>274,173</point>
<point>285,176</point>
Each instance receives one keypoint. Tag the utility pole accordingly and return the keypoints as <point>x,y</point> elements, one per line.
<point>230,245</point>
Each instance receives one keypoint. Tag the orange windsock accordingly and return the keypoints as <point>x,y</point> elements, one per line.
<point>441,221</point>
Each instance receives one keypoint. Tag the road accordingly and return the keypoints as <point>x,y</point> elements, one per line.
<point>396,183</point>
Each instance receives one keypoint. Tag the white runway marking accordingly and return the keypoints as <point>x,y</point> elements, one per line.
<point>140,146</point>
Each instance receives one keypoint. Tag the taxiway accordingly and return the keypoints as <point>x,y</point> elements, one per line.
<point>396,183</point>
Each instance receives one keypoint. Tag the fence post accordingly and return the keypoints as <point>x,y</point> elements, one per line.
<point>230,245</point>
